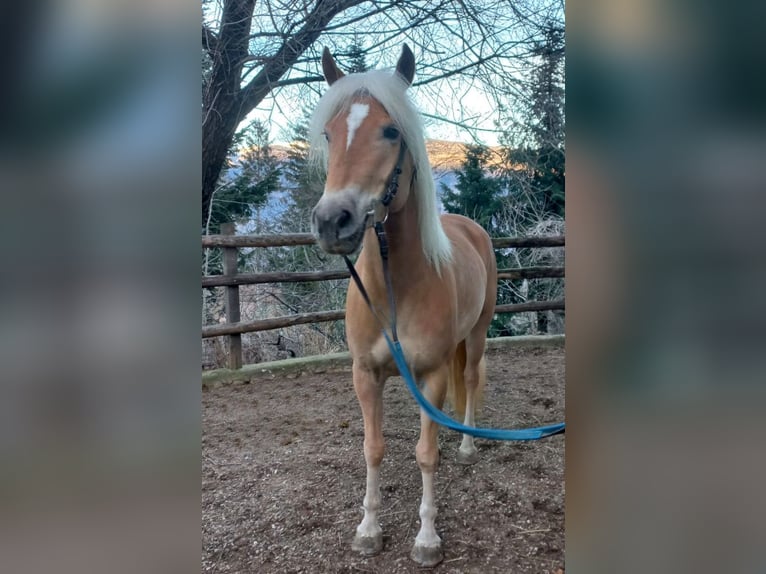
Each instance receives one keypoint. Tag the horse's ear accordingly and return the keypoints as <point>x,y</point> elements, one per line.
<point>331,71</point>
<point>405,67</point>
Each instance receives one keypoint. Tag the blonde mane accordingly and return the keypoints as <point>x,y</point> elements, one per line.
<point>391,91</point>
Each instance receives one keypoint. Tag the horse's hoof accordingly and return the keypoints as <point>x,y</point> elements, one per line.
<point>367,545</point>
<point>467,458</point>
<point>427,555</point>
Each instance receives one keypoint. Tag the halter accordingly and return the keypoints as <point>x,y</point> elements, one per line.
<point>393,184</point>
<point>391,190</point>
<point>393,341</point>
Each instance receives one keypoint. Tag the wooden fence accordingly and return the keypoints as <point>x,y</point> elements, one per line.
<point>231,280</point>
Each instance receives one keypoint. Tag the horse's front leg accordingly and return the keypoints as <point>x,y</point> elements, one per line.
<point>369,390</point>
<point>427,550</point>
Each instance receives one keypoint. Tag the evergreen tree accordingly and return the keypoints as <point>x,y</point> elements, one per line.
<point>477,194</point>
<point>548,125</point>
<point>305,182</point>
<point>252,174</point>
<point>535,154</point>
<point>357,61</point>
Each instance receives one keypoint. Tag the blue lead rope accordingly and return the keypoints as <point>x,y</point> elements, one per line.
<point>437,415</point>
<point>442,419</point>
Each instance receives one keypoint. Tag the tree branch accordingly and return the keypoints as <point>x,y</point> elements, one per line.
<point>362,17</point>
<point>209,39</point>
<point>456,71</point>
<point>301,80</point>
<point>259,87</point>
<point>459,124</point>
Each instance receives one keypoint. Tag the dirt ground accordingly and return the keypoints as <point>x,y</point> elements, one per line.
<point>283,476</point>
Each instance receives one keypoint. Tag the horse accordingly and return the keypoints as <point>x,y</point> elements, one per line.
<point>442,267</point>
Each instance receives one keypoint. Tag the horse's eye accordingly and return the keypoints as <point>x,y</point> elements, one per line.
<point>390,132</point>
<point>326,136</point>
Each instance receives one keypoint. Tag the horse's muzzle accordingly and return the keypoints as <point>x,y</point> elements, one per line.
<point>337,226</point>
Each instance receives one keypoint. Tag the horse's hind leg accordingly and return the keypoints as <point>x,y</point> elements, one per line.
<point>474,378</point>
<point>369,391</point>
<point>427,550</point>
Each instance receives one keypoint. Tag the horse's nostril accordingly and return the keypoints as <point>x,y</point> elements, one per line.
<point>343,219</point>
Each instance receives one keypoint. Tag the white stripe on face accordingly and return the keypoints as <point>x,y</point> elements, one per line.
<point>355,118</point>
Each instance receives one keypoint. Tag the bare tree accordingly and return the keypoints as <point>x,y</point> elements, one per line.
<point>254,51</point>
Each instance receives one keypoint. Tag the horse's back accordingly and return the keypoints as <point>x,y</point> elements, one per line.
<point>466,235</point>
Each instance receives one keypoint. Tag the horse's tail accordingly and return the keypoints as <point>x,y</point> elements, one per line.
<point>456,391</point>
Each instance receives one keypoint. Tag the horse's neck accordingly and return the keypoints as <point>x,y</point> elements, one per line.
<point>404,240</point>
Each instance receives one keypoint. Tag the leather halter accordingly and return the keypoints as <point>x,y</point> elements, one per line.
<point>393,185</point>
<point>391,189</point>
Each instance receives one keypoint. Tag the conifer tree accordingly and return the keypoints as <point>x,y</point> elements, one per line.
<point>252,174</point>
<point>357,61</point>
<point>305,182</point>
<point>477,194</point>
<point>535,152</point>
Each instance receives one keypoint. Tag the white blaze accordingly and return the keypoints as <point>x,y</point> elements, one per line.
<point>355,118</point>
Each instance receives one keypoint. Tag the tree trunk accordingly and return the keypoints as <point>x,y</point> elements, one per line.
<point>220,99</point>
<point>225,104</point>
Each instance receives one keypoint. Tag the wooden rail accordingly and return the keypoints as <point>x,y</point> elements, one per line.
<point>231,280</point>
<point>305,276</point>
<point>274,323</point>
<point>276,277</point>
<point>339,314</point>
<point>287,240</point>
<point>293,239</point>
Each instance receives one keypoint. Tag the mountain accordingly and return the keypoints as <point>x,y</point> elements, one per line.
<point>444,155</point>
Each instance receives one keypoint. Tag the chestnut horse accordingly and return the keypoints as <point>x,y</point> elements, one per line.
<point>443,273</point>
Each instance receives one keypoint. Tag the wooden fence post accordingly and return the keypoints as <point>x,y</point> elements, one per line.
<point>232,299</point>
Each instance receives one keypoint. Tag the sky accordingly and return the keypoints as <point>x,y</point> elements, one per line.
<point>437,49</point>
<point>476,103</point>
<point>451,44</point>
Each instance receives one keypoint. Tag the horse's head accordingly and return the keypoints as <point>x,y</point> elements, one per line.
<point>363,150</point>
